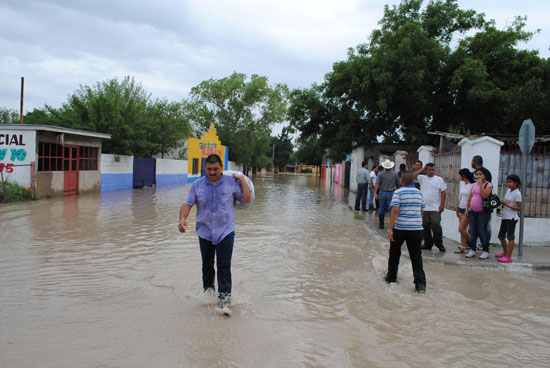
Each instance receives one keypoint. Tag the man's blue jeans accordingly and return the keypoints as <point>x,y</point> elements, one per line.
<point>371,198</point>
<point>385,200</point>
<point>223,252</point>
<point>361,196</point>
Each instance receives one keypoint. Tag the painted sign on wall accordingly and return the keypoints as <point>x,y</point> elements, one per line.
<point>17,152</point>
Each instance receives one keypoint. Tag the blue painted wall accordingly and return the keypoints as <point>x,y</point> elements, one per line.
<point>116,181</point>
<point>169,179</point>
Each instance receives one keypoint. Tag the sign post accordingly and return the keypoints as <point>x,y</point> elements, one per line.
<point>526,142</point>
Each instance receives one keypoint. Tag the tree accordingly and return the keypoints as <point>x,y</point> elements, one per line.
<point>407,80</point>
<point>8,116</point>
<point>243,112</point>
<point>282,148</point>
<point>167,126</point>
<point>138,126</point>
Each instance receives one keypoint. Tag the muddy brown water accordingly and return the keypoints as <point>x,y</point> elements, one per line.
<point>108,281</point>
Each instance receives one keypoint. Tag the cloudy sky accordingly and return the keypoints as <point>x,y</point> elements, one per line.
<point>170,46</point>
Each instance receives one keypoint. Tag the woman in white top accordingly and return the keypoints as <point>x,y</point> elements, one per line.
<point>511,206</point>
<point>468,178</point>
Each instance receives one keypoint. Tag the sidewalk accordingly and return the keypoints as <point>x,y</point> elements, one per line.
<point>534,259</point>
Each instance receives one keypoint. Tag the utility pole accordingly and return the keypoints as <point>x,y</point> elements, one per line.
<point>21,110</point>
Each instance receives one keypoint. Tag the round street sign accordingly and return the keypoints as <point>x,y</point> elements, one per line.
<point>527,136</point>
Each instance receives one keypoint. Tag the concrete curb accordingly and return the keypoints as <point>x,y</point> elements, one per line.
<point>541,255</point>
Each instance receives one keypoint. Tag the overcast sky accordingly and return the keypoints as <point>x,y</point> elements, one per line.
<point>170,46</point>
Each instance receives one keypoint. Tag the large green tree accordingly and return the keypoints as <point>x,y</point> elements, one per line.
<point>138,125</point>
<point>428,67</point>
<point>243,112</point>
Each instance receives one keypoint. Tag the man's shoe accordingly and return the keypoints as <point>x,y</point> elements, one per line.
<point>441,248</point>
<point>380,226</point>
<point>420,288</point>
<point>356,209</point>
<point>389,280</point>
<point>223,305</point>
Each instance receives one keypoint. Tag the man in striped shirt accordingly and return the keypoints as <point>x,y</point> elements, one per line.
<point>406,225</point>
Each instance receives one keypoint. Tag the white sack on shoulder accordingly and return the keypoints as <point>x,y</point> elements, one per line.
<point>238,204</point>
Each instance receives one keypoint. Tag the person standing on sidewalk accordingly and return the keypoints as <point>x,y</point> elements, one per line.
<point>386,184</point>
<point>511,206</point>
<point>214,195</point>
<point>362,187</point>
<point>372,183</point>
<point>406,225</point>
<point>464,194</point>
<point>434,189</point>
<point>477,215</point>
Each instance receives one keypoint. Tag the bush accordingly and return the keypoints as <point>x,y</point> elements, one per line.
<point>306,170</point>
<point>15,193</point>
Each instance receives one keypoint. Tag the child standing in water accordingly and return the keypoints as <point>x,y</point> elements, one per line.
<point>511,206</point>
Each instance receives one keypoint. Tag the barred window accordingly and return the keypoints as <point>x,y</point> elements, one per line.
<point>87,159</point>
<point>50,157</point>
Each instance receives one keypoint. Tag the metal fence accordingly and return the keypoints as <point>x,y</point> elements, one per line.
<point>536,191</point>
<point>447,165</point>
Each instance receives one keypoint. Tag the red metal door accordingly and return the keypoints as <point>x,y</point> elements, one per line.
<point>70,167</point>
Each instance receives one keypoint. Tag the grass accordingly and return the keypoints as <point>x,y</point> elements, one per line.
<point>357,216</point>
<point>15,193</point>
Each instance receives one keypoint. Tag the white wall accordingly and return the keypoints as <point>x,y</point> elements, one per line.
<point>168,166</point>
<point>486,147</point>
<point>233,166</point>
<point>536,230</point>
<point>426,154</point>
<point>18,147</point>
<point>125,165</point>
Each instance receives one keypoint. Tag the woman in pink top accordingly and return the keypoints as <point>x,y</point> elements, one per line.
<point>478,217</point>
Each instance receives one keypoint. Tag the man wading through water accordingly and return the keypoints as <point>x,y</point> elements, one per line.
<point>214,196</point>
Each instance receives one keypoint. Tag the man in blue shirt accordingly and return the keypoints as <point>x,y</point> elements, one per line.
<point>214,196</point>
<point>406,225</point>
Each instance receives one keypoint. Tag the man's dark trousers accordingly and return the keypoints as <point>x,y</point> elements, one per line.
<point>433,234</point>
<point>223,252</point>
<point>413,239</point>
<point>361,196</point>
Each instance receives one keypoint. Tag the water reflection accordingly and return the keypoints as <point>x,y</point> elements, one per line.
<point>107,280</point>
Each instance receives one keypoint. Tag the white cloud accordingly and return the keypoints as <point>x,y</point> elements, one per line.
<point>170,46</point>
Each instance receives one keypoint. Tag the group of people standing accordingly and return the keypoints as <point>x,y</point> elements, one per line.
<point>417,199</point>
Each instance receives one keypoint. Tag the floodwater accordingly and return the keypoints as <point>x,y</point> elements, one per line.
<point>108,281</point>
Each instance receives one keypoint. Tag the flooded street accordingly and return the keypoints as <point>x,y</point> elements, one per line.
<point>108,281</point>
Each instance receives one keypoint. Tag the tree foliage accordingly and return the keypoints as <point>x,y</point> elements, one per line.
<point>8,116</point>
<point>138,125</point>
<point>432,67</point>
<point>282,148</point>
<point>243,112</point>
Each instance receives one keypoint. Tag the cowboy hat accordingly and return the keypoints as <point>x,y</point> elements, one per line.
<point>387,164</point>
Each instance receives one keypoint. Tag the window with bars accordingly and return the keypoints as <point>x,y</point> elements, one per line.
<point>50,157</point>
<point>87,160</point>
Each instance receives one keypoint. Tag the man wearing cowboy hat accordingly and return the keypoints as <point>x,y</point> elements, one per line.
<point>386,183</point>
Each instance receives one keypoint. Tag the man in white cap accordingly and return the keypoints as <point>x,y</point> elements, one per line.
<point>386,183</point>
